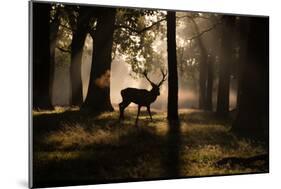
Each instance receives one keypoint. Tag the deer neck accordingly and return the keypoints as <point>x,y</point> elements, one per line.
<point>153,96</point>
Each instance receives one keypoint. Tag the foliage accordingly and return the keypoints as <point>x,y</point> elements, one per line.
<point>62,18</point>
<point>136,30</point>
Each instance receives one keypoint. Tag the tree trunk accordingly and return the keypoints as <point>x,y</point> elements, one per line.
<point>172,67</point>
<point>202,68</point>
<point>54,28</point>
<point>224,67</point>
<point>243,32</point>
<point>78,40</point>
<point>253,109</point>
<point>209,93</point>
<point>98,97</point>
<point>41,56</point>
<point>202,75</point>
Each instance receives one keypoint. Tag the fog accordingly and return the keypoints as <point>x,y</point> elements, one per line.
<point>120,75</point>
<point>121,79</point>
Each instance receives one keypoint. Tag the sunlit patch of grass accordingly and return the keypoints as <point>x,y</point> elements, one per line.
<point>107,116</point>
<point>146,167</point>
<point>199,134</point>
<point>200,117</point>
<point>85,146</point>
<point>160,128</point>
<point>57,155</point>
<point>246,148</point>
<point>56,110</point>
<point>200,160</point>
<point>78,137</point>
<point>104,129</point>
<point>205,169</point>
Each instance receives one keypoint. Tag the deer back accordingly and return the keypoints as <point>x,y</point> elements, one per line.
<point>138,96</point>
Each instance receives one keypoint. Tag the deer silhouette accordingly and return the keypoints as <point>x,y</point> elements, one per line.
<point>141,97</point>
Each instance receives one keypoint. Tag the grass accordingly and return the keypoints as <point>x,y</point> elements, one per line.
<point>73,148</point>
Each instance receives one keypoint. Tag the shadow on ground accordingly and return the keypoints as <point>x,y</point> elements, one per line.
<point>78,148</point>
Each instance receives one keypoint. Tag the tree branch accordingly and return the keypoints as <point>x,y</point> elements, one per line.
<point>143,29</point>
<point>64,50</point>
<point>92,32</point>
<point>202,32</point>
<point>66,27</point>
<point>205,31</point>
<point>192,17</point>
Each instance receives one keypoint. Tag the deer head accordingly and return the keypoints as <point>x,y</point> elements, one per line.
<point>156,87</point>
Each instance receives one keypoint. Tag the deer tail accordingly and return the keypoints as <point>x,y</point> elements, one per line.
<point>123,93</point>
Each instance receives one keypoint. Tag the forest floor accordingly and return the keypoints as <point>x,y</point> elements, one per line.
<point>74,148</point>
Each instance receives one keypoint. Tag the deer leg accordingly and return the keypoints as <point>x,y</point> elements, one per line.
<point>148,109</point>
<point>121,110</point>
<point>122,107</point>
<point>139,107</point>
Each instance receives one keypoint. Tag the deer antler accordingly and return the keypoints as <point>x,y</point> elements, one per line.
<point>145,75</point>
<point>164,75</point>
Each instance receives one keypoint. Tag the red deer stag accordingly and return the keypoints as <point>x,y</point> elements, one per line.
<point>141,97</point>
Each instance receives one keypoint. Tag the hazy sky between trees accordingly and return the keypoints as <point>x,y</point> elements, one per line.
<point>122,75</point>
